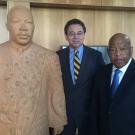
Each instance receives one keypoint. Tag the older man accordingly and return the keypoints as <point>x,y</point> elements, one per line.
<point>32,97</point>
<point>115,89</point>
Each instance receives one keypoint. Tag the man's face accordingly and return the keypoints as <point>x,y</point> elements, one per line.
<point>20,26</point>
<point>75,35</point>
<point>120,52</point>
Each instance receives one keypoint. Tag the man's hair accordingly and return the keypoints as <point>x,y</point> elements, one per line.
<point>74,21</point>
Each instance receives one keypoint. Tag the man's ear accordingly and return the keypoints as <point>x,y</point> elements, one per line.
<point>7,26</point>
<point>65,36</point>
<point>108,51</point>
<point>131,50</point>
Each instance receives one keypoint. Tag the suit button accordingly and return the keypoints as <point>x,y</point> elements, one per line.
<point>109,112</point>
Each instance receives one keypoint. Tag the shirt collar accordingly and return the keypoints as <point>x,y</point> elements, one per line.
<point>124,68</point>
<point>80,50</point>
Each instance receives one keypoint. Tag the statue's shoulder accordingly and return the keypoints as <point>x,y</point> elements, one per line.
<point>4,53</point>
<point>4,47</point>
<point>44,50</point>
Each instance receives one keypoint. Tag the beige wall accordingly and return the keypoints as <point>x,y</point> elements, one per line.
<point>122,3</point>
<point>83,2</point>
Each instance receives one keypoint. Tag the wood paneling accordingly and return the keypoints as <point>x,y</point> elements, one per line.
<point>49,29</point>
<point>122,3</point>
<point>106,24</point>
<point>101,25</point>
<point>49,25</point>
<point>80,2</point>
<point>12,3</point>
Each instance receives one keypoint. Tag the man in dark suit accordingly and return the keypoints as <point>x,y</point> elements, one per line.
<point>116,107</point>
<point>78,89</point>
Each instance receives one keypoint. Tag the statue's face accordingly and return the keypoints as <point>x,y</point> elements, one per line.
<point>20,26</point>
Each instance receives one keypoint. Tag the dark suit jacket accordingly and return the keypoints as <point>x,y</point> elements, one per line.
<point>78,97</point>
<point>116,115</point>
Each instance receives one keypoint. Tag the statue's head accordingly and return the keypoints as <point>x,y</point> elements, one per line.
<point>20,25</point>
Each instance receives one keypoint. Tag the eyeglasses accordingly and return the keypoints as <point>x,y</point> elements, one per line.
<point>73,34</point>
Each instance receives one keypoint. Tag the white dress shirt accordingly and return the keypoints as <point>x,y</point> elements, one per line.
<point>123,70</point>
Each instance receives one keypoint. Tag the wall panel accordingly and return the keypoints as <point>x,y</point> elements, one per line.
<point>49,30</point>
<point>3,31</point>
<point>76,2</point>
<point>101,25</point>
<point>122,3</point>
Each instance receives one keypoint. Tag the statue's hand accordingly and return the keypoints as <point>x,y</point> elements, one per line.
<point>58,130</point>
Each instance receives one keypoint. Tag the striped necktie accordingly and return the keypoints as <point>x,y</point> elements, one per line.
<point>76,65</point>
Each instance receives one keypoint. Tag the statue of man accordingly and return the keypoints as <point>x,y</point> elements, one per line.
<point>31,89</point>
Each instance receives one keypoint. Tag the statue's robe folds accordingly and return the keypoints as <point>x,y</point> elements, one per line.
<point>31,91</point>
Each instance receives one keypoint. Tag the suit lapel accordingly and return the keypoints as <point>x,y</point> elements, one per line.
<point>123,87</point>
<point>67,67</point>
<point>108,82</point>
